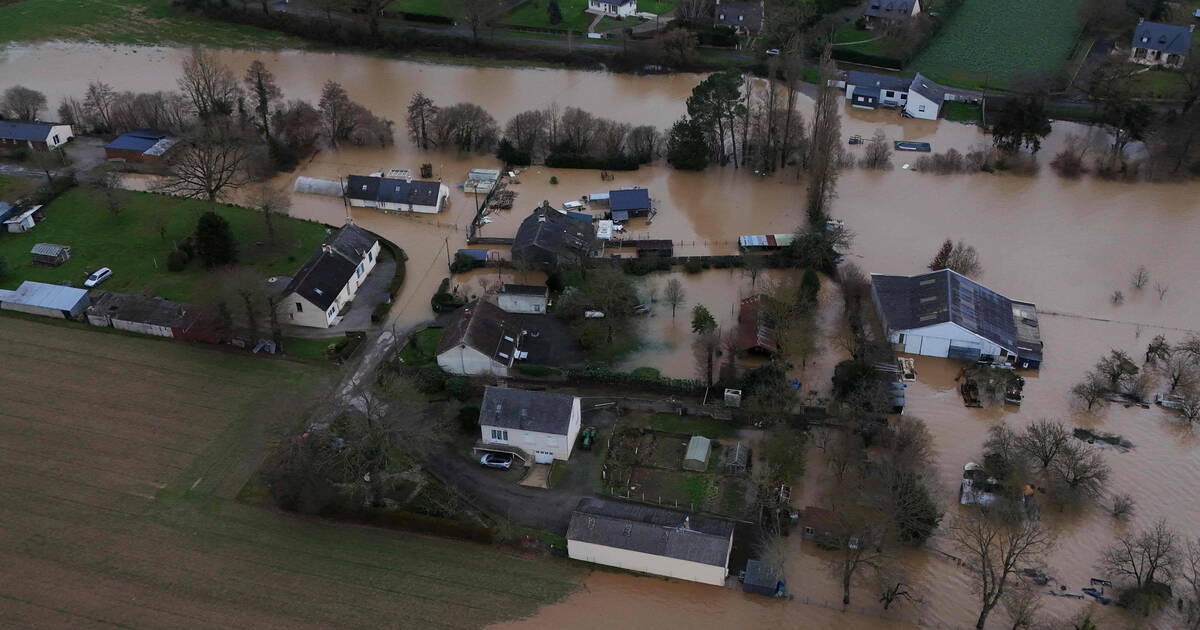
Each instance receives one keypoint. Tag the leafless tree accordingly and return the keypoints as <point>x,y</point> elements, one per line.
<point>421,113</point>
<point>996,545</point>
<point>22,103</point>
<point>48,162</point>
<point>337,113</point>
<point>964,260</point>
<point>264,93</point>
<point>208,164</point>
<point>1161,289</point>
<point>645,142</point>
<point>1140,277</point>
<point>1080,471</point>
<point>1071,161</point>
<point>1023,606</point>
<point>270,201</point>
<point>675,295</point>
<point>1190,407</point>
<point>97,104</point>
<point>108,184</point>
<point>1144,558</point>
<point>863,537</point>
<point>578,128</point>
<point>298,126</point>
<point>527,130</point>
<point>1091,390</point>
<point>474,13</point>
<point>825,144</point>
<point>208,84</point>
<point>1190,573</point>
<point>878,155</point>
<point>466,127</point>
<point>610,137</point>
<point>1044,441</point>
<point>676,46</point>
<point>1182,371</point>
<point>1123,506</point>
<point>693,10</point>
<point>70,112</point>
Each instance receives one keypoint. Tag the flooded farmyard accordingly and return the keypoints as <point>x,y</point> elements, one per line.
<point>1065,245</point>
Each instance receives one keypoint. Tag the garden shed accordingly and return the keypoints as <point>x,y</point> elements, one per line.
<point>762,579</point>
<point>50,254</point>
<point>697,453</point>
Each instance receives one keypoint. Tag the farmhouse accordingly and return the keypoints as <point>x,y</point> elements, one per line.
<point>524,298</point>
<point>880,12</point>
<point>612,8</point>
<point>925,98</point>
<point>34,135</point>
<point>630,202</point>
<point>538,424</point>
<point>651,540</point>
<point>479,340</point>
<point>330,278</point>
<point>141,146</point>
<point>745,18</point>
<point>866,90</point>
<point>48,300</point>
<point>396,195</point>
<point>945,314</point>
<point>549,239</point>
<point>1157,44</point>
<point>149,316</point>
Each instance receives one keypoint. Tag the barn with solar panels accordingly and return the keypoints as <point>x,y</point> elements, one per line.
<point>945,314</point>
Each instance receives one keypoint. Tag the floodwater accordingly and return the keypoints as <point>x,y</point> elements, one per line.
<point>1066,245</point>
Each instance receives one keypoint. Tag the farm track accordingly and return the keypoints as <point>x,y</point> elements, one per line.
<point>119,459</point>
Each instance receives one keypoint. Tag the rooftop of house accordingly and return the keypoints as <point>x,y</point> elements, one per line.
<point>555,232</point>
<point>881,81</point>
<point>889,8</point>
<point>526,411</point>
<point>1171,39</point>
<point>323,276</point>
<point>484,327</point>
<point>752,331</point>
<point>930,90</point>
<point>937,297</point>
<point>387,190</point>
<point>14,130</point>
<point>738,13</point>
<point>629,199</point>
<point>49,249</point>
<point>652,530</point>
<point>539,290</point>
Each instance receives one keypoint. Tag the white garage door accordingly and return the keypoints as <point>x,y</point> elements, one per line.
<point>543,457</point>
<point>935,346</point>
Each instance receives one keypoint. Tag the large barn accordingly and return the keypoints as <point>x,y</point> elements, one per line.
<point>945,314</point>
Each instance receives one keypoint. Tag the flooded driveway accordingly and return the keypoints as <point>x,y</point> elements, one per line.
<point>1065,245</point>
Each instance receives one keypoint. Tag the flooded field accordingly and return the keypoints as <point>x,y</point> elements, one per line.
<point>1066,245</point>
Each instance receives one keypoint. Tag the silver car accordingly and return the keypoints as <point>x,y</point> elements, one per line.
<point>503,461</point>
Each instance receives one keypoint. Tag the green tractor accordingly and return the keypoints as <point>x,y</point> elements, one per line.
<point>587,437</point>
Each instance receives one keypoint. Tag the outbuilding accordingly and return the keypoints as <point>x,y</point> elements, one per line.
<point>524,298</point>
<point>140,146</point>
<point>612,8</point>
<point>696,457</point>
<point>50,254</point>
<point>651,540</point>
<point>395,194</point>
<point>23,220</point>
<point>629,202</point>
<point>867,90</point>
<point>481,180</point>
<point>478,340</point>
<point>34,135</point>
<point>540,424</point>
<point>48,300</point>
<point>761,579</point>
<point>925,98</point>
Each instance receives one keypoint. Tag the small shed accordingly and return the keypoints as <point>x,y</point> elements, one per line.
<point>48,300</point>
<point>50,254</point>
<point>481,180</point>
<point>23,220</point>
<point>697,453</point>
<point>629,202</point>
<point>735,459</point>
<point>762,579</point>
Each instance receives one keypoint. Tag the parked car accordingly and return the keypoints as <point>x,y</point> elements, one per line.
<point>503,461</point>
<point>98,276</point>
<point>772,52</point>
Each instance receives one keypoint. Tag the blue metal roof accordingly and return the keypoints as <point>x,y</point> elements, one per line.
<point>630,199</point>
<point>580,216</point>
<point>139,140</point>
<point>11,130</point>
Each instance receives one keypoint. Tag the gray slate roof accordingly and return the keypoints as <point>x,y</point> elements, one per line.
<point>525,410</point>
<point>485,327</point>
<point>881,81</point>
<point>35,131</point>
<point>889,9</point>
<point>385,190</point>
<point>910,302</point>
<point>48,249</point>
<point>1167,38</point>
<point>930,90</point>
<point>549,237</point>
<point>652,530</point>
<point>327,271</point>
<point>736,14</point>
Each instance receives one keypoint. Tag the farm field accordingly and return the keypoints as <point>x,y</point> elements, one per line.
<point>121,458</point>
<point>1002,41</point>
<point>127,22</point>
<point>135,242</point>
<point>447,8</point>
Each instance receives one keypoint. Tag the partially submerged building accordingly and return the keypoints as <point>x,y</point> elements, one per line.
<point>479,340</point>
<point>481,181</point>
<point>140,146</point>
<point>396,194</point>
<point>946,314</point>
<point>34,135</point>
<point>543,427</point>
<point>524,298</point>
<point>629,202</point>
<point>549,239</point>
<point>651,540</point>
<point>754,335</point>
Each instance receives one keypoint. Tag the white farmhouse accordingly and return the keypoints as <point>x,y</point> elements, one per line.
<point>524,298</point>
<point>651,540</point>
<point>330,278</point>
<point>867,90</point>
<point>479,340</point>
<point>945,314</point>
<point>396,195</point>
<point>34,135</point>
<point>925,98</point>
<point>612,8</point>
<point>542,426</point>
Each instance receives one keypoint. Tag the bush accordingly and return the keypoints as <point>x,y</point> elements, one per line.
<point>536,370</point>
<point>849,375</point>
<point>618,162</point>
<point>513,156</point>
<point>463,263</point>
<point>468,419</point>
<point>644,378</point>
<point>3,267</point>
<point>645,373</point>
<point>554,179</point>
<point>458,387</point>
<point>854,56</point>
<point>381,311</point>
<point>693,265</point>
<point>176,260</point>
<point>431,379</point>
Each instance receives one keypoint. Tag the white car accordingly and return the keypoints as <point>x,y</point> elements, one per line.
<point>772,52</point>
<point>98,276</point>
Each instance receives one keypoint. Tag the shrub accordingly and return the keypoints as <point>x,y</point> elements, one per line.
<point>380,312</point>
<point>644,373</point>
<point>536,370</point>
<point>513,156</point>
<point>3,267</point>
<point>458,387</point>
<point>468,419</point>
<point>176,260</point>
<point>463,263</point>
<point>554,179</point>
<point>431,379</point>
<point>693,265</point>
<point>618,162</point>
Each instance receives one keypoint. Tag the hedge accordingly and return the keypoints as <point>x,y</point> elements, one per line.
<point>414,522</point>
<point>854,56</point>
<point>643,378</point>
<point>401,266</point>
<point>537,370</point>
<point>620,162</point>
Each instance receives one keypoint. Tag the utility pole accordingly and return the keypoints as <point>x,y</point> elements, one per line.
<point>448,259</point>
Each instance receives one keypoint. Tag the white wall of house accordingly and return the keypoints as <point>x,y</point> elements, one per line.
<point>544,447</point>
<point>143,328</point>
<point>58,136</point>
<point>649,563</point>
<point>623,10</point>
<point>514,303</point>
<point>298,310</point>
<point>1150,57</point>
<point>892,98</point>
<point>918,106</point>
<point>443,195</point>
<point>467,361</point>
<point>935,340</point>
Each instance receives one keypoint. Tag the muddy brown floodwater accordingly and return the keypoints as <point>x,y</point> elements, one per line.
<point>1066,245</point>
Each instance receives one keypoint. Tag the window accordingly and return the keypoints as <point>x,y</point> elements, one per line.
<point>537,308</point>
<point>722,17</point>
<point>299,307</point>
<point>360,270</point>
<point>920,108</point>
<point>370,256</point>
<point>332,310</point>
<point>889,93</point>
<point>55,138</point>
<point>741,18</point>
<point>900,338</point>
<point>808,531</point>
<point>500,435</point>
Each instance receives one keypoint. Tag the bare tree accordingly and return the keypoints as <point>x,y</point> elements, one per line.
<point>674,295</point>
<point>1182,371</point>
<point>1091,390</point>
<point>1161,289</point>
<point>270,201</point>
<point>1023,606</point>
<point>264,93</point>
<point>1044,441</point>
<point>996,546</point>
<point>466,127</point>
<point>1144,558</point>
<point>645,143</point>
<point>878,154</point>
<point>527,130</point>
<point>964,260</point>
<point>206,165</point>
<point>208,84</point>
<point>825,145</point>
<point>1190,574</point>
<point>1140,277</point>
<point>97,103</point>
<point>421,113</point>
<point>337,112</point>
<point>1123,506</point>
<point>474,12</point>
<point>108,184</point>
<point>22,103</point>
<point>1080,471</point>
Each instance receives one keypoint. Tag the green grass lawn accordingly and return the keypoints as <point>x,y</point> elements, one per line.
<point>133,247</point>
<point>422,348</point>
<point>689,425</point>
<point>448,8</point>
<point>127,22</point>
<point>1158,83</point>
<point>13,188</point>
<point>1001,41</point>
<point>534,14</point>
<point>654,6</point>
<point>961,112</point>
<point>849,33</point>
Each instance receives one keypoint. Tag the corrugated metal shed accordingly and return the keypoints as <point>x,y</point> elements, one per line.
<point>49,296</point>
<point>697,453</point>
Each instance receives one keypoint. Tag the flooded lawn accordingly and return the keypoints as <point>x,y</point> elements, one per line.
<point>1065,245</point>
